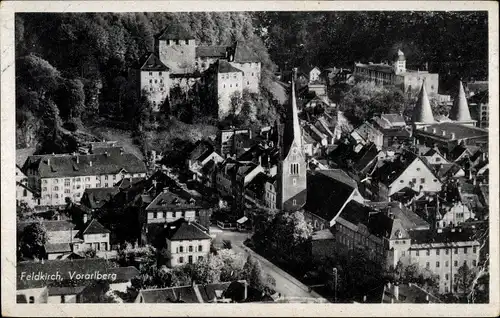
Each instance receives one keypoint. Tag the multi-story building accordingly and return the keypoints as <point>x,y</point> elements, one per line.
<point>226,85</point>
<point>23,192</point>
<point>232,141</point>
<point>208,55</point>
<point>244,58</point>
<point>186,243</point>
<point>292,167</point>
<point>397,74</point>
<point>62,176</point>
<point>152,78</point>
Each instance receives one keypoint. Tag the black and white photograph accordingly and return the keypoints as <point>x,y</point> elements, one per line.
<point>272,156</point>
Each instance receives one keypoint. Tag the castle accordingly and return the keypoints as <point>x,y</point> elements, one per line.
<point>179,62</point>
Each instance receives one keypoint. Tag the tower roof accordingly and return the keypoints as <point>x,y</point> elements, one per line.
<point>422,113</point>
<point>460,109</point>
<point>400,56</point>
<point>291,131</point>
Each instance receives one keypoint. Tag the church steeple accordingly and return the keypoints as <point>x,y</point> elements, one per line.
<point>291,131</point>
<point>292,168</point>
<point>460,109</point>
<point>422,113</point>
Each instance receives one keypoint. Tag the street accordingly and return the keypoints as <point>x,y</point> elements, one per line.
<point>292,289</point>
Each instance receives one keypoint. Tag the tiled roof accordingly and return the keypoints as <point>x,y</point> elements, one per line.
<point>175,31</point>
<point>258,184</point>
<point>339,175</point>
<point>97,197</point>
<point>51,226</point>
<point>446,236</point>
<point>377,67</point>
<point>202,150</point>
<point>394,119</point>
<point>226,67</point>
<point>326,194</point>
<point>422,112</point>
<point>57,247</point>
<point>58,166</point>
<point>181,229</point>
<point>94,227</point>
<point>244,54</point>
<point>168,200</point>
<point>64,267</point>
<point>460,131</point>
<point>151,62</point>
<point>211,51</point>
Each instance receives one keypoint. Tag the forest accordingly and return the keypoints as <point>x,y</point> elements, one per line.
<point>72,68</point>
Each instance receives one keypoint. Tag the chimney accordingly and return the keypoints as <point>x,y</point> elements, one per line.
<point>433,130</point>
<point>396,291</point>
<point>85,218</point>
<point>443,132</point>
<point>452,135</point>
<point>260,160</point>
<point>48,161</point>
<point>364,298</point>
<point>427,298</point>
<point>121,151</point>
<point>90,163</point>
<point>77,159</point>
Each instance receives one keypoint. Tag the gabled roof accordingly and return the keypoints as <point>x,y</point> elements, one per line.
<point>212,51</point>
<point>50,226</point>
<point>97,197</point>
<point>447,235</point>
<point>175,31</point>
<point>168,200</point>
<point>151,62</point>
<point>225,67</point>
<point>94,227</point>
<point>327,191</point>
<point>244,53</point>
<point>58,166</point>
<point>394,119</point>
<point>460,109</point>
<point>181,230</point>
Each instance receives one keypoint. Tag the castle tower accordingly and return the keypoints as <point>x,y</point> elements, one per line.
<point>176,48</point>
<point>422,113</point>
<point>460,109</point>
<point>292,172</point>
<point>400,63</point>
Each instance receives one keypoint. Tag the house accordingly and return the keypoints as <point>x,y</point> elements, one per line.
<point>186,242</point>
<point>449,135</point>
<point>434,157</point>
<point>23,192</point>
<point>328,193</point>
<point>244,58</point>
<point>62,176</point>
<point>455,209</point>
<point>64,237</point>
<point>50,281</point>
<point>397,74</point>
<point>96,198</point>
<point>152,79</point>
<point>383,133</point>
<point>227,292</point>
<point>227,144</point>
<point>407,170</point>
<point>226,82</point>
<point>201,159</point>
<point>392,293</point>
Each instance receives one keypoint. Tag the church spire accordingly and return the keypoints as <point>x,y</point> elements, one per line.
<point>291,131</point>
<point>422,113</point>
<point>460,109</point>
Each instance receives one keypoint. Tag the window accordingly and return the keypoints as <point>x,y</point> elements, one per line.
<point>87,178</point>
<point>437,252</point>
<point>456,250</point>
<point>465,250</point>
<point>236,84</point>
<point>447,251</point>
<point>56,196</point>
<point>417,253</point>
<point>56,180</point>
<point>44,181</point>
<point>427,265</point>
<point>190,259</point>
<point>200,248</point>
<point>438,159</point>
<point>422,180</point>
<point>66,191</point>
<point>418,169</point>
<point>44,188</point>
<point>474,250</point>
<point>200,258</point>
<point>401,181</point>
<point>181,260</point>
<point>428,252</point>
<point>106,184</point>
<point>155,215</point>
<point>455,263</point>
<point>150,73</point>
<point>437,264</point>
<point>150,81</point>
<point>403,253</point>
<point>77,179</point>
<point>294,181</point>
<point>190,248</point>
<point>181,249</point>
<point>447,264</point>
<point>32,300</point>
<point>114,177</point>
<point>224,85</point>
<point>414,180</point>
<point>474,262</point>
<point>156,81</point>
<point>56,188</point>
<point>446,276</point>
<point>160,73</point>
<point>446,289</point>
<point>248,83</point>
<point>294,202</point>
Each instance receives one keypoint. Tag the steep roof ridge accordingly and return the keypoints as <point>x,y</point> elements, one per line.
<point>423,111</point>
<point>460,109</point>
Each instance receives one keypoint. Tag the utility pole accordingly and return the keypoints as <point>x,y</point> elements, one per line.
<point>335,280</point>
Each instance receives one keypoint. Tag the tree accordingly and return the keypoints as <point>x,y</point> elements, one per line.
<point>24,211</point>
<point>208,270</point>
<point>463,279</point>
<point>33,239</point>
<point>71,98</point>
<point>252,271</point>
<point>233,263</point>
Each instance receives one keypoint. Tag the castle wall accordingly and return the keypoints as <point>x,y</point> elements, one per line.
<point>156,84</point>
<point>251,75</point>
<point>228,84</point>
<point>178,55</point>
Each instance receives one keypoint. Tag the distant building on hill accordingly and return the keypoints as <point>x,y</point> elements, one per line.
<point>397,74</point>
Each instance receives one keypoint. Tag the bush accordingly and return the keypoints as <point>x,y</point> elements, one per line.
<point>73,124</point>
